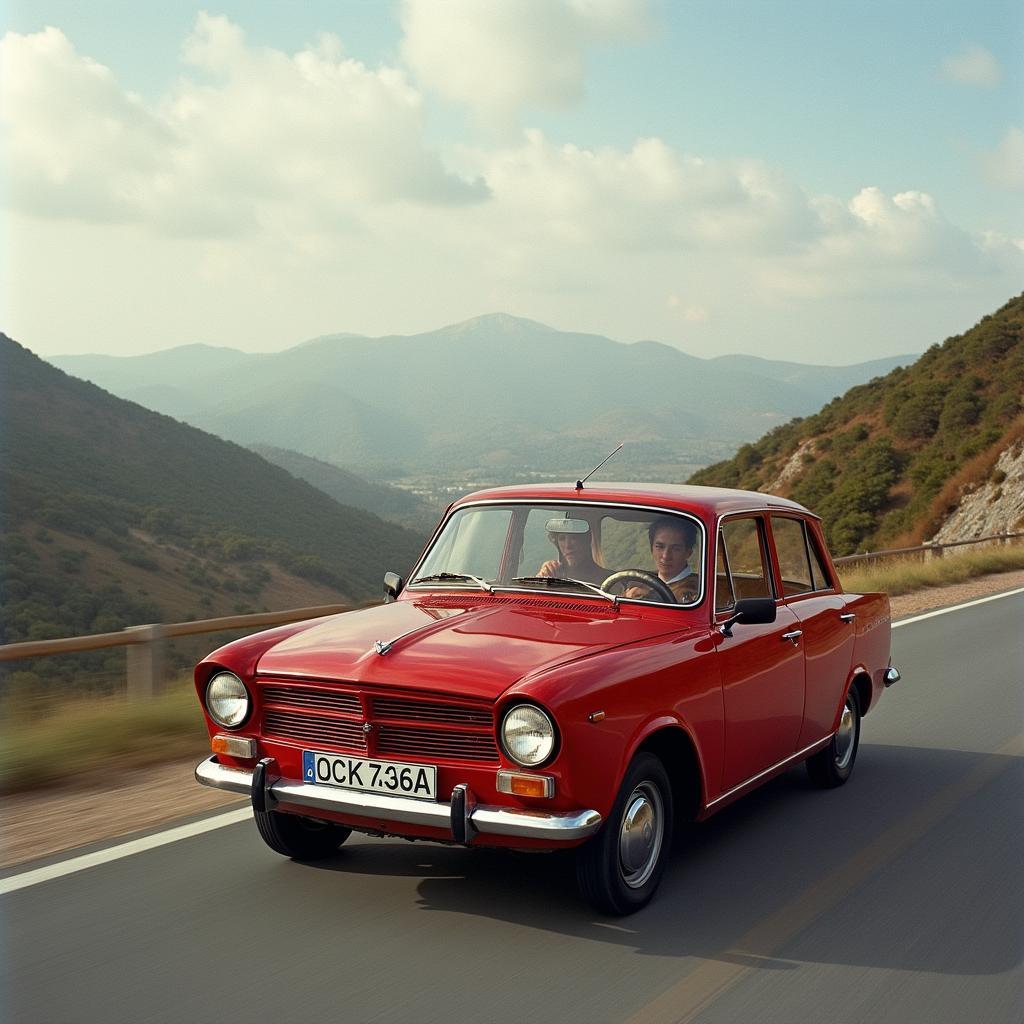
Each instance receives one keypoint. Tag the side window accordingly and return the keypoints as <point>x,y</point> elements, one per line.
<point>818,573</point>
<point>724,596</point>
<point>742,568</point>
<point>791,547</point>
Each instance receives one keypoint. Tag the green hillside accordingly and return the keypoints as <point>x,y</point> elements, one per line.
<point>114,515</point>
<point>885,463</point>
<point>392,503</point>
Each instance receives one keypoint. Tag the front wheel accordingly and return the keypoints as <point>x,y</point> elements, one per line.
<point>832,766</point>
<point>301,838</point>
<point>620,868</point>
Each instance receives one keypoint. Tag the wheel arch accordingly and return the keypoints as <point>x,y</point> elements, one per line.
<point>860,683</point>
<point>674,747</point>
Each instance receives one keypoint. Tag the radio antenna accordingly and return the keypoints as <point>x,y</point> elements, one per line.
<point>579,483</point>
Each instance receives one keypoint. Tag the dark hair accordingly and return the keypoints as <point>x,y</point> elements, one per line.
<point>682,526</point>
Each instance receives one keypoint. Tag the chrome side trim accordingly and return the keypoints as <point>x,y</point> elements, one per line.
<point>555,826</point>
<point>781,764</point>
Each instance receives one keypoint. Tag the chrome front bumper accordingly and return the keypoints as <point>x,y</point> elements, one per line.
<point>463,817</point>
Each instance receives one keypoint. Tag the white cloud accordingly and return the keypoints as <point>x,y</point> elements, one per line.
<point>76,144</point>
<point>647,197</point>
<point>880,244</point>
<point>264,138</point>
<point>975,66</point>
<point>497,57</point>
<point>1004,166</point>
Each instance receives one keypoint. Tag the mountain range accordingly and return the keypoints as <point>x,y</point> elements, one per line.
<point>496,394</point>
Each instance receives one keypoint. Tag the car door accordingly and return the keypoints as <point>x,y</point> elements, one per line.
<point>827,624</point>
<point>761,667</point>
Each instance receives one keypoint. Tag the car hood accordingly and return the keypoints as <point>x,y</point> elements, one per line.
<point>473,648</point>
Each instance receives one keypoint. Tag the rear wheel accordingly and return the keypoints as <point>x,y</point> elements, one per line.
<point>302,838</point>
<point>620,868</point>
<point>832,766</point>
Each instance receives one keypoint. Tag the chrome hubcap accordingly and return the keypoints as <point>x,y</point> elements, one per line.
<point>640,834</point>
<point>845,737</point>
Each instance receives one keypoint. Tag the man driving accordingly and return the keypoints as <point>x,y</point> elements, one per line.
<point>672,541</point>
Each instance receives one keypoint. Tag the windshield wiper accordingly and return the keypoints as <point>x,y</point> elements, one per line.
<point>562,581</point>
<point>452,577</point>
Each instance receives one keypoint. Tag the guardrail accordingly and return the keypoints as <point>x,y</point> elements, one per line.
<point>145,644</point>
<point>926,551</point>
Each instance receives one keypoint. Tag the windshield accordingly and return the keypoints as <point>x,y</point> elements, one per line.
<point>608,552</point>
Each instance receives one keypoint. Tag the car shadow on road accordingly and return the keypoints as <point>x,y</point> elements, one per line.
<point>898,869</point>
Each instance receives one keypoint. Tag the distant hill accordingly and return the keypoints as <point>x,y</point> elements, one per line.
<point>114,515</point>
<point>392,503</point>
<point>888,462</point>
<point>496,393</point>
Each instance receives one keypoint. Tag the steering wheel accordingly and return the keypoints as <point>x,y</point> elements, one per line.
<point>645,579</point>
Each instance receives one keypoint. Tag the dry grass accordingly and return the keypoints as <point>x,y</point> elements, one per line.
<point>905,575</point>
<point>87,736</point>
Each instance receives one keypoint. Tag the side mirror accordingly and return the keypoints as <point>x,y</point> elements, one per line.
<point>751,611</point>
<point>393,584</point>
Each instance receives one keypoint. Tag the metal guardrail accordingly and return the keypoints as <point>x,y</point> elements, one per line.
<point>145,644</point>
<point>926,551</point>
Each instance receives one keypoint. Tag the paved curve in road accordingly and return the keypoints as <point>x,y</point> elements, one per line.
<point>895,898</point>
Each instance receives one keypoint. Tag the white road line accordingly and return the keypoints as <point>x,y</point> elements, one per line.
<point>957,607</point>
<point>12,883</point>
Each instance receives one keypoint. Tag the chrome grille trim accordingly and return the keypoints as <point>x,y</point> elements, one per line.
<point>428,711</point>
<point>331,732</point>
<point>429,743</point>
<point>312,697</point>
<point>346,718</point>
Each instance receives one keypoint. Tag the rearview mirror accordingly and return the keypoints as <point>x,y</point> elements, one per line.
<point>564,525</point>
<point>393,584</point>
<point>750,611</point>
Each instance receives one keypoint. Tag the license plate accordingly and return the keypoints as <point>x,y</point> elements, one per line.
<point>370,775</point>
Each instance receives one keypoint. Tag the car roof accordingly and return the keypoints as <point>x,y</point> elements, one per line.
<point>708,502</point>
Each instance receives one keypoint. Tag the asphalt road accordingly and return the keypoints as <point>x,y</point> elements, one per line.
<point>895,898</point>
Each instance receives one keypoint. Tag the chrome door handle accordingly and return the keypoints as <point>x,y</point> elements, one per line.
<point>794,635</point>
<point>848,617</point>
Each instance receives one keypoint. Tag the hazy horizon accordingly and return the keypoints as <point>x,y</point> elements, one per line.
<point>349,335</point>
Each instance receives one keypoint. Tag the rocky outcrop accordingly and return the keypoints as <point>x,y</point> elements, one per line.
<point>995,506</point>
<point>794,465</point>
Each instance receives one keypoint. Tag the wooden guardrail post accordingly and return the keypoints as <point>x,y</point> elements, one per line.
<point>145,655</point>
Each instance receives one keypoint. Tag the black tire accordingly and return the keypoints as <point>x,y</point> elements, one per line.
<point>833,765</point>
<point>615,875</point>
<point>301,838</point>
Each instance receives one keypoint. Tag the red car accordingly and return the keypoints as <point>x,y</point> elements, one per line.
<point>566,667</point>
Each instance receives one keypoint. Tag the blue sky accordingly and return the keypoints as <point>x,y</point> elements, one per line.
<point>822,182</point>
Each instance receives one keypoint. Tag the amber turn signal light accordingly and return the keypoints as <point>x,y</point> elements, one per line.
<point>521,784</point>
<point>233,746</point>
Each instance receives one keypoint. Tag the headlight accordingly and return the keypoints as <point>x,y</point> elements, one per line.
<point>227,700</point>
<point>528,735</point>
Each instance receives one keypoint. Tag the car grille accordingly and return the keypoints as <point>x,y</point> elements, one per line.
<point>336,718</point>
